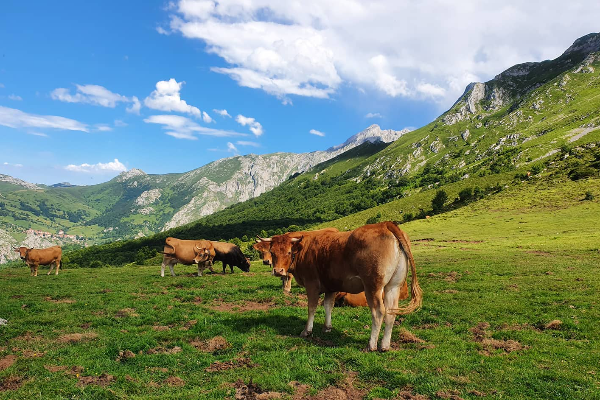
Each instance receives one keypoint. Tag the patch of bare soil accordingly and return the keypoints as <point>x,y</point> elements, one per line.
<point>126,312</point>
<point>449,394</point>
<point>76,337</point>
<point>105,291</point>
<point>59,301</point>
<point>252,391</point>
<point>213,345</point>
<point>33,354</point>
<point>174,381</point>
<point>423,240</point>
<point>17,296</point>
<point>164,350</point>
<point>452,277</point>
<point>405,336</point>
<point>265,305</point>
<point>450,291</point>
<point>101,380</point>
<point>244,362</point>
<point>74,371</point>
<point>125,355</point>
<point>86,325</point>
<point>7,361</point>
<point>160,328</point>
<point>28,337</point>
<point>11,383</point>
<point>407,393</point>
<point>345,391</point>
<point>554,324</point>
<point>55,368</point>
<point>483,336</point>
<point>321,342</point>
<point>477,393</point>
<point>463,241</point>
<point>188,325</point>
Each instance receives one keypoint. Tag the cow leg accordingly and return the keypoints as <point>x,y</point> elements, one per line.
<point>328,303</point>
<point>390,300</point>
<point>287,283</point>
<point>375,301</point>
<point>313,302</point>
<point>201,267</point>
<point>162,268</point>
<point>52,265</point>
<point>210,266</point>
<point>224,266</point>
<point>58,263</point>
<point>231,268</point>
<point>31,270</point>
<point>35,268</point>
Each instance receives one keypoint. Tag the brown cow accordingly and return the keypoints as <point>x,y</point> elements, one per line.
<point>186,252</point>
<point>373,258</point>
<point>229,253</point>
<point>36,257</point>
<point>263,248</point>
<point>360,300</point>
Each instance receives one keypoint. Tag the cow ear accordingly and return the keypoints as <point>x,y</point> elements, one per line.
<point>297,246</point>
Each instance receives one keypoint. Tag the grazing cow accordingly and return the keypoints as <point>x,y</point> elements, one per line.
<point>373,258</point>
<point>187,252</point>
<point>230,254</point>
<point>263,248</point>
<point>36,257</point>
<point>360,300</point>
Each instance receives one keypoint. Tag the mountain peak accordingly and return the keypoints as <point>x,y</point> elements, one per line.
<point>586,44</point>
<point>132,173</point>
<point>17,181</point>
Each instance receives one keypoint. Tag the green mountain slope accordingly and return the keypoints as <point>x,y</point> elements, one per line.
<point>533,118</point>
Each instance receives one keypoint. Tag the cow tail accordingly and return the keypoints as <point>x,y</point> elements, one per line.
<point>416,293</point>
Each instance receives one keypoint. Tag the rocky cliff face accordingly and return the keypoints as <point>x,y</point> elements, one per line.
<point>508,87</point>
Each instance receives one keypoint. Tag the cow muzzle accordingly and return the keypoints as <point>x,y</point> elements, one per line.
<point>279,272</point>
<point>266,262</point>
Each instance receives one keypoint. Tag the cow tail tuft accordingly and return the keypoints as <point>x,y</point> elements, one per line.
<point>416,300</point>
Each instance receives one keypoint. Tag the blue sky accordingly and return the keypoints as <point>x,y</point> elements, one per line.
<point>86,83</point>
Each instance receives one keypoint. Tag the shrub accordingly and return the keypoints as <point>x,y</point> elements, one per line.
<point>465,195</point>
<point>589,196</point>
<point>406,217</point>
<point>581,172</point>
<point>374,219</point>
<point>437,204</point>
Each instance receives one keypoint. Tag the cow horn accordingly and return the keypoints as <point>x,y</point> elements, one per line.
<point>197,248</point>
<point>296,240</point>
<point>264,239</point>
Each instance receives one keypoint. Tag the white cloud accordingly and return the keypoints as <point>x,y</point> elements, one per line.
<point>15,97</point>
<point>119,123</point>
<point>166,98</point>
<point>91,94</point>
<point>103,128</point>
<point>222,113</point>
<point>312,47</point>
<point>247,143</point>
<point>14,118</point>
<point>113,166</point>
<point>37,134</point>
<point>231,148</point>
<point>255,126</point>
<point>373,115</point>
<point>135,106</point>
<point>12,165</point>
<point>184,128</point>
<point>206,118</point>
<point>162,30</point>
<point>316,132</point>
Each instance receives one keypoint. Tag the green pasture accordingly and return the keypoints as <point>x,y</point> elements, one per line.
<point>495,274</point>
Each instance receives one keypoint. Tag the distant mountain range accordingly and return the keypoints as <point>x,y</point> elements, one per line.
<point>136,204</point>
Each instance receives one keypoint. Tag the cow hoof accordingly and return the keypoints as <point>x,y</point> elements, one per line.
<point>369,349</point>
<point>327,329</point>
<point>305,333</point>
<point>384,349</point>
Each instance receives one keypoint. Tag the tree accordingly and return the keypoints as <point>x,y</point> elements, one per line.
<point>437,204</point>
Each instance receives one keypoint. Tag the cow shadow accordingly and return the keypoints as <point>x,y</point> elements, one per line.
<point>291,326</point>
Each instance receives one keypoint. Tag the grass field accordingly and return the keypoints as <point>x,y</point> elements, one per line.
<point>495,274</point>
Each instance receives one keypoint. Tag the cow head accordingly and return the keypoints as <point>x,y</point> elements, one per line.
<point>245,265</point>
<point>284,250</point>
<point>22,251</point>
<point>263,249</point>
<point>201,254</point>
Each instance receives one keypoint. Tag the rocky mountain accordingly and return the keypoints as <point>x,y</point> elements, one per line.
<point>136,204</point>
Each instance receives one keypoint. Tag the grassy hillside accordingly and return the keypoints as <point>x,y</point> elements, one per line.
<point>495,274</point>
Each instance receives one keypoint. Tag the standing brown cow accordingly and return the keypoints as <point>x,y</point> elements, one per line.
<point>265,254</point>
<point>373,258</point>
<point>186,252</point>
<point>36,257</point>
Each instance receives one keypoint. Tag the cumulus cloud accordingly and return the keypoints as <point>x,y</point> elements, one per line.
<point>113,166</point>
<point>316,132</point>
<point>103,128</point>
<point>12,165</point>
<point>135,106</point>
<point>15,97</point>
<point>166,97</point>
<point>91,94</point>
<point>222,113</point>
<point>255,126</point>
<point>400,48</point>
<point>14,118</point>
<point>206,118</point>
<point>373,115</point>
<point>119,123</point>
<point>184,128</point>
